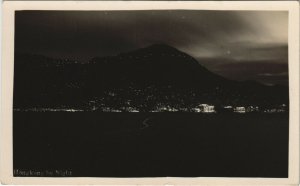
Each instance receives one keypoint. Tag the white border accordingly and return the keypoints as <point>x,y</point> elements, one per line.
<point>7,86</point>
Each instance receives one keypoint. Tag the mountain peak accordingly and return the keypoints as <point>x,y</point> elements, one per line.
<point>157,50</point>
<point>161,47</point>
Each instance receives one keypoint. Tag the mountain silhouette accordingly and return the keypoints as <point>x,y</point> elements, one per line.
<point>159,65</point>
<point>157,74</point>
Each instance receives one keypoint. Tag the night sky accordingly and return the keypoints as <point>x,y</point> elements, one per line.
<point>240,45</point>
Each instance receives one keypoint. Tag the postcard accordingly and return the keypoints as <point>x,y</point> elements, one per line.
<point>150,92</point>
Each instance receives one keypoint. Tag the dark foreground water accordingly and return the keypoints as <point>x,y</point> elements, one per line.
<point>91,144</point>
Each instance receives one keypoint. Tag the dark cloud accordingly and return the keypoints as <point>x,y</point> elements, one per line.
<point>237,36</point>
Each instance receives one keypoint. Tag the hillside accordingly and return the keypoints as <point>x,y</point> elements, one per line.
<point>144,79</point>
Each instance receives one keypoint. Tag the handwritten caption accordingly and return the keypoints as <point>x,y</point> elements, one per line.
<point>42,173</point>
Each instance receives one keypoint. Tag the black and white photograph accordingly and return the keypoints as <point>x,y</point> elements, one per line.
<point>151,93</point>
